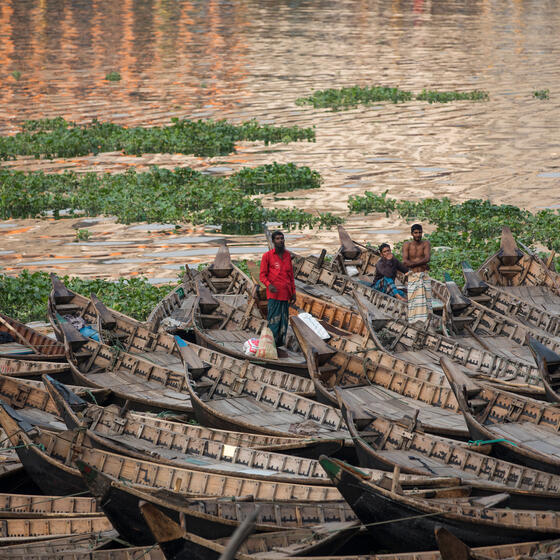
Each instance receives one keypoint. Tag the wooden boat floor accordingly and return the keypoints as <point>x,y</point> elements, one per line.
<point>323,292</point>
<point>199,461</point>
<point>250,411</point>
<point>162,359</point>
<point>541,296</point>
<point>184,313</point>
<point>124,383</point>
<point>393,406</point>
<point>501,346</point>
<point>14,348</point>
<point>234,340</point>
<point>43,419</point>
<point>529,435</point>
<point>428,465</point>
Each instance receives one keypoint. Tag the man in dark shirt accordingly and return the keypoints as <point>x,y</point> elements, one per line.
<point>277,275</point>
<point>386,270</point>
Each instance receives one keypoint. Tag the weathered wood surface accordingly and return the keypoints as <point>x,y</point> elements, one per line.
<point>382,443</point>
<point>30,368</point>
<point>28,343</point>
<point>24,530</point>
<point>254,406</point>
<point>528,271</point>
<point>375,382</point>
<point>161,349</point>
<point>129,377</point>
<point>38,506</point>
<point>227,329</point>
<point>48,548</point>
<point>526,430</point>
<point>234,286</point>
<point>474,524</point>
<point>142,441</point>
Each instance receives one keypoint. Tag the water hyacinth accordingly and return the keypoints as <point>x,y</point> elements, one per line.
<point>51,138</point>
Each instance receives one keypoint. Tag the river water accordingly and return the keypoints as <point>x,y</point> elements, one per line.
<point>241,60</point>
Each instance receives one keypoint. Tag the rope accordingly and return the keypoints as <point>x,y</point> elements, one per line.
<point>483,441</point>
<point>92,396</point>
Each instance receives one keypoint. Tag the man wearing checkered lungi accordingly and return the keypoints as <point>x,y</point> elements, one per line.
<point>416,255</point>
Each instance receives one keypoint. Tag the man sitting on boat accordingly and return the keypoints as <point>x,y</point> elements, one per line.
<point>277,275</point>
<point>416,255</point>
<point>386,270</point>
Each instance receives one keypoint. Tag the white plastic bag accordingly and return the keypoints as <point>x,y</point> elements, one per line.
<point>314,325</point>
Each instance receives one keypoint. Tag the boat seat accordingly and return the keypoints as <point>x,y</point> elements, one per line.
<point>63,308</point>
<point>483,299</point>
<point>490,501</point>
<point>508,271</point>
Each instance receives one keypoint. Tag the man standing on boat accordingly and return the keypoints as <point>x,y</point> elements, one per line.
<point>386,270</point>
<point>416,255</point>
<point>277,275</point>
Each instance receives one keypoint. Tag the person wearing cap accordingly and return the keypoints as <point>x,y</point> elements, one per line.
<point>416,255</point>
<point>386,270</point>
<point>277,274</point>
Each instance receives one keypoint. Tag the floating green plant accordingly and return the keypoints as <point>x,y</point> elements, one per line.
<point>345,98</point>
<point>113,76</point>
<point>162,195</point>
<point>542,94</point>
<point>24,297</point>
<point>348,97</point>
<point>82,235</point>
<point>16,74</point>
<point>468,231</point>
<point>432,96</point>
<point>52,138</point>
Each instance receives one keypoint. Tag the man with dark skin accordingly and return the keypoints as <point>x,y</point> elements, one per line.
<point>277,275</point>
<point>416,255</point>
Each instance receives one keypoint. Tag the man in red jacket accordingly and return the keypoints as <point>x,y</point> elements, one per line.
<point>277,275</point>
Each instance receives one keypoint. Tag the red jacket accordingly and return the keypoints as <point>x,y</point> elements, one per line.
<point>278,271</point>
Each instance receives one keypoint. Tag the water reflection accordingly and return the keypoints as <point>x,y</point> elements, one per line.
<point>246,58</point>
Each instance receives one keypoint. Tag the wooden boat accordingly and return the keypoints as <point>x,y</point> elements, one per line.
<point>522,273</point>
<point>431,406</point>
<point>28,344</point>
<point>33,369</point>
<point>131,553</point>
<point>177,544</point>
<point>84,553</point>
<point>49,459</point>
<point>459,313</point>
<point>227,328</point>
<point>141,441</point>
<point>49,547</point>
<point>384,444</point>
<point>160,348</point>
<point>40,507</point>
<point>415,346</point>
<point>207,517</point>
<point>509,304</point>
<point>522,430</point>
<point>112,418</point>
<point>253,406</point>
<point>26,530</point>
<point>131,379</point>
<point>476,521</point>
<point>548,363</point>
<point>35,403</point>
<point>223,280</point>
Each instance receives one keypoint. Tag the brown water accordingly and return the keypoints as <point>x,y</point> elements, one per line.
<point>241,59</point>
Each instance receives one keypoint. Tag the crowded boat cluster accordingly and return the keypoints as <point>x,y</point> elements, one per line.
<point>335,406</point>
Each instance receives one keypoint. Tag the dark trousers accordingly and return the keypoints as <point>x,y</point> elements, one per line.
<point>278,315</point>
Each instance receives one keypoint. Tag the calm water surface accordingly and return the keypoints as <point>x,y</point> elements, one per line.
<point>241,60</point>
